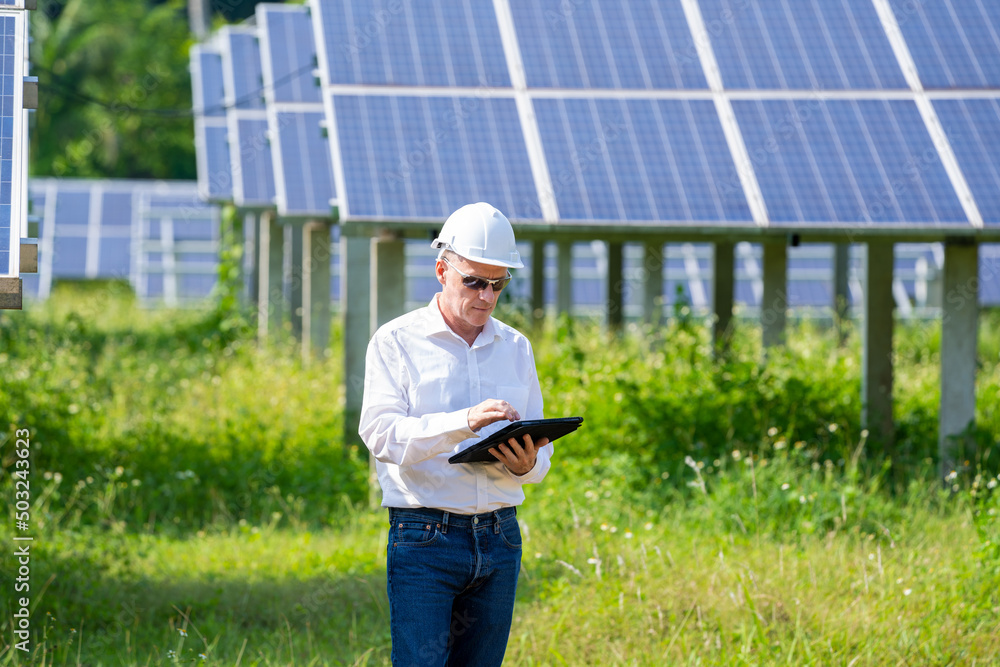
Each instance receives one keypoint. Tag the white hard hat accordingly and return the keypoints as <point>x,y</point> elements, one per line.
<point>481,233</point>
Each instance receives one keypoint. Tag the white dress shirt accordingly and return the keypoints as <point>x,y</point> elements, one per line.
<point>421,379</point>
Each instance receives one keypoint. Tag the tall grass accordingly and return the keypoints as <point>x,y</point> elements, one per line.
<point>193,494</point>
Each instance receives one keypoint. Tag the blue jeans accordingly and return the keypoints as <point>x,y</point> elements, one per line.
<point>451,581</point>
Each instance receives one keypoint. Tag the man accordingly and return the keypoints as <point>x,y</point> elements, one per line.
<point>435,379</point>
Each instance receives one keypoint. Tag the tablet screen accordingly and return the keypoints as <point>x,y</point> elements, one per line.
<point>536,428</point>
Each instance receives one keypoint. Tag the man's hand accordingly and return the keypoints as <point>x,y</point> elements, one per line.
<point>519,460</point>
<point>489,411</point>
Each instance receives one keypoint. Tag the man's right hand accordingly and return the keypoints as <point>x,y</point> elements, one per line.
<point>489,411</point>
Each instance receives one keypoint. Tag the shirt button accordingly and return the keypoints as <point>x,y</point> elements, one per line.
<point>475,520</point>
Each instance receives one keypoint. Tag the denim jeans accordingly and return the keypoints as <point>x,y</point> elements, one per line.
<point>451,581</point>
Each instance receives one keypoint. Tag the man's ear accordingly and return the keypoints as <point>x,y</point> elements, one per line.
<point>439,268</point>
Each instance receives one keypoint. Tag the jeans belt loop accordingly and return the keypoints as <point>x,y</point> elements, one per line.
<point>496,522</point>
<point>444,523</point>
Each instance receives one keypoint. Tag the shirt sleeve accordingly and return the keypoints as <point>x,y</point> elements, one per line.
<point>535,410</point>
<point>385,427</point>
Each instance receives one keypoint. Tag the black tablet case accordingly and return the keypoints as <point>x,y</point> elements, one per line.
<point>537,428</point>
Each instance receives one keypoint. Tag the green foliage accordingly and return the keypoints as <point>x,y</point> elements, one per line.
<point>192,495</point>
<point>100,64</point>
<point>168,421</point>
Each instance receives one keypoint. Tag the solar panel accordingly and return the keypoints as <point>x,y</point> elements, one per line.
<point>641,44</point>
<point>955,44</point>
<point>801,45</point>
<point>103,229</point>
<point>638,160</point>
<point>423,157</point>
<point>215,178</point>
<point>856,161</point>
<point>422,43</point>
<point>973,129</point>
<point>249,148</point>
<point>303,172</point>
<point>12,38</point>
<point>288,54</point>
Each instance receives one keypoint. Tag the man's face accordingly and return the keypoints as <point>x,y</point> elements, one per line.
<point>464,307</point>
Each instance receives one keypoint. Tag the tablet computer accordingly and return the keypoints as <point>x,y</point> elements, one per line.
<point>536,428</point>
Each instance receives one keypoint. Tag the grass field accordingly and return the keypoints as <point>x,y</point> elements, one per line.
<point>193,501</point>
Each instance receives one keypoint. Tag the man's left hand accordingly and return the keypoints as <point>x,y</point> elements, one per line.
<point>519,459</point>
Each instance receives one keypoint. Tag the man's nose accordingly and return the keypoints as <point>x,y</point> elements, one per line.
<point>488,295</point>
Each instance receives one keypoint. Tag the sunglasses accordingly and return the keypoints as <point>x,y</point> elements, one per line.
<point>477,283</point>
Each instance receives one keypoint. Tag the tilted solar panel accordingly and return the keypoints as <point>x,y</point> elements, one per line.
<point>955,43</point>
<point>847,161</point>
<point>642,44</point>
<point>973,128</point>
<point>801,45</point>
<point>245,87</point>
<point>215,180</point>
<point>12,35</point>
<point>305,163</point>
<point>423,157</point>
<point>639,160</point>
<point>290,55</point>
<point>248,142</point>
<point>417,43</point>
<point>300,150</point>
<point>254,183</point>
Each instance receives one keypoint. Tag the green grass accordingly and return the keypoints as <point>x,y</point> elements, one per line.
<point>193,495</point>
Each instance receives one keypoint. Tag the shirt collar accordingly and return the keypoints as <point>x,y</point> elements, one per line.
<point>436,325</point>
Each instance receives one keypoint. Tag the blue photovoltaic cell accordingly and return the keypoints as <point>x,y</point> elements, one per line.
<point>248,81</point>
<point>859,162</point>
<point>212,89</point>
<point>305,163</point>
<point>419,42</point>
<point>116,209</point>
<point>193,230</point>
<point>954,43</point>
<point>423,157</point>
<point>69,256</point>
<point>663,160</point>
<point>256,174</point>
<point>801,45</point>
<point>218,182</point>
<point>642,44</point>
<point>292,56</point>
<point>973,129</point>
<point>114,258</point>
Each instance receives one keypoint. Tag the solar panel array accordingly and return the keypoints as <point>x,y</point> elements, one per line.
<point>642,111</point>
<point>157,235</point>
<point>620,112</point>
<point>12,207</point>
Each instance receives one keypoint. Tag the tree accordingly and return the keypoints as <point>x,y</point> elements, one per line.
<point>115,90</point>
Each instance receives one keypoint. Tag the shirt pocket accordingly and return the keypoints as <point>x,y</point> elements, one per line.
<point>516,396</point>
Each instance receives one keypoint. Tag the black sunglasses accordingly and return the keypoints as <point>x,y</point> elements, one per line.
<point>477,283</point>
